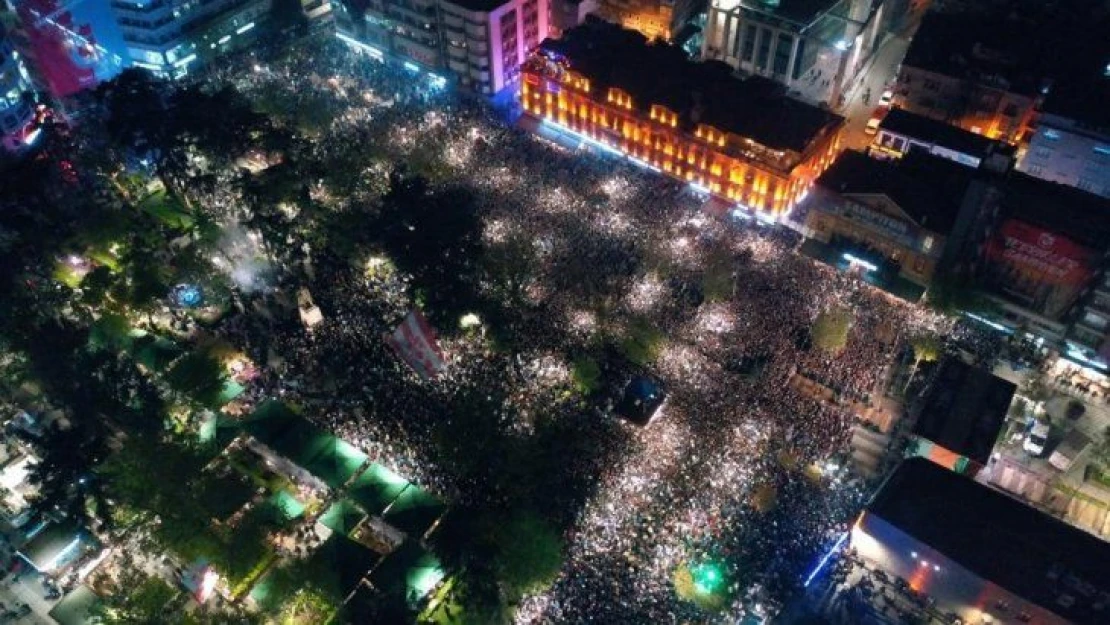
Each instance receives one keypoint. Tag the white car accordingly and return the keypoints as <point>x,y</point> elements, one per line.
<point>886,98</point>
<point>1036,438</point>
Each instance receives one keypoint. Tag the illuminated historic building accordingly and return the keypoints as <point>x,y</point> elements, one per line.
<point>743,141</point>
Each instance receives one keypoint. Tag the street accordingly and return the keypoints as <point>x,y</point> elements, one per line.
<point>880,73</point>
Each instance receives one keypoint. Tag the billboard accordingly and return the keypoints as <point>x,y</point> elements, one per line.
<point>1041,270</point>
<point>415,342</point>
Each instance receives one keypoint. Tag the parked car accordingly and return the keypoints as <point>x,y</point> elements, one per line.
<point>872,126</point>
<point>1036,438</point>
<point>886,98</point>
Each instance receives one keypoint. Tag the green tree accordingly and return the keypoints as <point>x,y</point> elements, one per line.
<point>926,348</point>
<point>135,598</point>
<point>642,342</point>
<point>830,329</point>
<point>529,554</point>
<point>586,374</point>
<point>64,472</point>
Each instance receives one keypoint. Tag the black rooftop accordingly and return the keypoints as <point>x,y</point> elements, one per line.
<point>707,92</point>
<point>1027,552</point>
<point>987,49</point>
<point>929,189</point>
<point>937,132</point>
<point>800,11</point>
<point>1082,216</point>
<point>481,6</point>
<point>964,409</point>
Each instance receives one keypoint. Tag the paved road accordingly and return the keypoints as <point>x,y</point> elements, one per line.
<point>27,590</point>
<point>880,73</point>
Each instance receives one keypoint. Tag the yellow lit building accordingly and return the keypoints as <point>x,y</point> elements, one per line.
<point>741,140</point>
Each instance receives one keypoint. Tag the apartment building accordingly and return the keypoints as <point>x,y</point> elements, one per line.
<point>170,37</point>
<point>479,43</point>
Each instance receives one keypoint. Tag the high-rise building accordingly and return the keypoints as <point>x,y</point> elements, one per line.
<point>814,47</point>
<point>169,37</point>
<point>17,110</point>
<point>480,43</point>
<point>743,141</point>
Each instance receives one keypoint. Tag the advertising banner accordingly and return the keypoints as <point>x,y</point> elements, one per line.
<point>1039,269</point>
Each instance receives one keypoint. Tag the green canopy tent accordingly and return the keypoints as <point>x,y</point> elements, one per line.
<point>335,461</point>
<point>409,571</point>
<point>342,517</point>
<point>339,564</point>
<point>270,420</point>
<point>414,512</point>
<point>76,608</point>
<point>286,507</point>
<point>218,431</point>
<point>375,488</point>
<point>231,391</point>
<point>288,434</point>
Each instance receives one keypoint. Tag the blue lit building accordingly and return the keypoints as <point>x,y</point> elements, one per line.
<point>17,111</point>
<point>170,37</point>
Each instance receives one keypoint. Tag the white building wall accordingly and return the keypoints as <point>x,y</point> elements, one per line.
<point>1061,152</point>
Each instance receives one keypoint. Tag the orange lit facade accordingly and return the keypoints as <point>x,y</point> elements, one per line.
<point>731,167</point>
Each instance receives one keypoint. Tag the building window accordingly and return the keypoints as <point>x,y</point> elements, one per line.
<point>749,42</point>
<point>764,49</point>
<point>927,243</point>
<point>1011,110</point>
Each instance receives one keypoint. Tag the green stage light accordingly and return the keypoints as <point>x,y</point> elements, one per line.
<point>707,577</point>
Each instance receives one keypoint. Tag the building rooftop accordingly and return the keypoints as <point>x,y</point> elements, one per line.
<point>708,92</point>
<point>1081,88</point>
<point>1027,552</point>
<point>480,6</point>
<point>964,409</point>
<point>929,189</point>
<point>937,132</point>
<point>1002,52</point>
<point>1082,216</point>
<point>800,11</point>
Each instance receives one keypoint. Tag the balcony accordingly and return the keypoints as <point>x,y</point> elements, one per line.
<point>479,76</point>
<point>458,67</point>
<point>454,22</point>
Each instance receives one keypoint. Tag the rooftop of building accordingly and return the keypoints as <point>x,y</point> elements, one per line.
<point>706,92</point>
<point>1027,552</point>
<point>964,409</point>
<point>1084,217</point>
<point>1000,51</point>
<point>478,6</point>
<point>1081,88</point>
<point>800,11</point>
<point>929,189</point>
<point>937,132</point>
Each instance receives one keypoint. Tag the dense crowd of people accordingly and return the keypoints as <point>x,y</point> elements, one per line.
<point>739,467</point>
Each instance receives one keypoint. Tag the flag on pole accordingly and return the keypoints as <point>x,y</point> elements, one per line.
<point>415,342</point>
